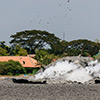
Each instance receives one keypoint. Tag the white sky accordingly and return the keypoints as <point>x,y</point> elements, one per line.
<point>78,19</point>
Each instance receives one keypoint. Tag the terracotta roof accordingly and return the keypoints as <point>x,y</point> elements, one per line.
<point>26,61</point>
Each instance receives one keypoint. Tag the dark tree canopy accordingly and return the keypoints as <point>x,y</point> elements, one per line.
<point>83,46</point>
<point>59,48</point>
<point>34,39</point>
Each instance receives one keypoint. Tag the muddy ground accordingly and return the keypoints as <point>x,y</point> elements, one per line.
<point>15,91</point>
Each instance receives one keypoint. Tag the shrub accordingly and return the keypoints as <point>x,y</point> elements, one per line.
<point>11,68</point>
<point>29,70</point>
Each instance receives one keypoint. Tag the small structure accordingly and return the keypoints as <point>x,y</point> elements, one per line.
<point>26,61</point>
<point>97,56</point>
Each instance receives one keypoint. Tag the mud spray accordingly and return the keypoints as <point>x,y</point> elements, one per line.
<point>66,71</point>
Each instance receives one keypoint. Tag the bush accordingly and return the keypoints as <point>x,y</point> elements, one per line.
<point>29,70</point>
<point>11,68</point>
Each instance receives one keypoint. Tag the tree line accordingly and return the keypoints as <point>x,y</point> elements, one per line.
<point>46,46</point>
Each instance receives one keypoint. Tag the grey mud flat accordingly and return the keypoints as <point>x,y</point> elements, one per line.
<point>19,91</point>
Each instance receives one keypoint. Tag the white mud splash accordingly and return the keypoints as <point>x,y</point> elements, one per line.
<point>65,71</point>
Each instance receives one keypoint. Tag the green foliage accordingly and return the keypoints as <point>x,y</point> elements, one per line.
<point>3,52</point>
<point>11,68</point>
<point>18,51</point>
<point>58,48</point>
<point>22,52</point>
<point>2,44</point>
<point>44,57</point>
<point>83,47</point>
<point>35,39</point>
<point>29,70</point>
<point>35,70</point>
<point>72,52</point>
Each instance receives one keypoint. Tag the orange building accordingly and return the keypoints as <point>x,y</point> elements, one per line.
<point>26,61</point>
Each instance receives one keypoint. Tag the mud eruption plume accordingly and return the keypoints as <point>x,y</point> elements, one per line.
<point>64,71</point>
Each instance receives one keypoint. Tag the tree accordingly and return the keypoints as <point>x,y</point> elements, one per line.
<point>3,52</point>
<point>22,52</point>
<point>84,47</point>
<point>35,39</point>
<point>18,51</point>
<point>59,48</point>
<point>2,44</point>
<point>44,57</point>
